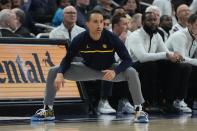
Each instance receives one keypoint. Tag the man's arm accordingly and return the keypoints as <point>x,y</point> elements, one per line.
<point>123,54</point>
<point>65,64</point>
<point>177,42</point>
<point>71,53</point>
<point>136,47</point>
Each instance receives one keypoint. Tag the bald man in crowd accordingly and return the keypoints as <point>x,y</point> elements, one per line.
<point>183,12</point>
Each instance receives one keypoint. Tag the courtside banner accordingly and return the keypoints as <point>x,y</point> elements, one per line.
<point>24,69</point>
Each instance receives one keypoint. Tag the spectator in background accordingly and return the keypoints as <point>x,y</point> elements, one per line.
<point>131,6</point>
<point>165,26</point>
<point>17,3</point>
<point>8,23</point>
<point>5,4</point>
<point>20,29</point>
<point>118,10</point>
<point>177,3</point>
<point>156,64</point>
<point>182,14</point>
<point>156,11</point>
<point>185,42</point>
<point>193,6</point>
<point>107,22</point>
<point>104,6</point>
<point>82,9</point>
<point>136,22</point>
<point>58,17</point>
<point>68,28</point>
<point>120,28</point>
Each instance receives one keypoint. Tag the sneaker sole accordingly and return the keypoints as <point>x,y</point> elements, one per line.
<point>141,121</point>
<point>43,119</point>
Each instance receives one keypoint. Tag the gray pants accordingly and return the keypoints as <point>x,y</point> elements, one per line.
<point>79,72</point>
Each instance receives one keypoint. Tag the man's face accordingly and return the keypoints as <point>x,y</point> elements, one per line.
<point>119,11</point>
<point>107,24</point>
<point>167,22</point>
<point>151,21</point>
<point>95,23</point>
<point>84,2</point>
<point>122,26</point>
<point>12,22</point>
<point>17,3</point>
<point>183,13</point>
<point>193,29</point>
<point>131,5</point>
<point>70,15</point>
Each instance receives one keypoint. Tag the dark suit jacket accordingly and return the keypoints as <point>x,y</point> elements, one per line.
<point>22,31</point>
<point>8,33</point>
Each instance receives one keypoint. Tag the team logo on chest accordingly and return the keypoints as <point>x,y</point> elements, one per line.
<point>104,46</point>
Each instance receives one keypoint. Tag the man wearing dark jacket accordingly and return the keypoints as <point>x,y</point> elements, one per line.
<point>97,48</point>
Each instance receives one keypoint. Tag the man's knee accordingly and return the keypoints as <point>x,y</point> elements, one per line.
<point>53,70</point>
<point>131,72</point>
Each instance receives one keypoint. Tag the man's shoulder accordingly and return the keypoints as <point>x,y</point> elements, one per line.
<point>60,27</point>
<point>78,28</point>
<point>179,34</point>
<point>177,38</point>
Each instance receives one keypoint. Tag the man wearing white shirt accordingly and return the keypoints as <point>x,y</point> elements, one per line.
<point>165,26</point>
<point>185,42</point>
<point>155,63</point>
<point>182,14</point>
<point>68,29</point>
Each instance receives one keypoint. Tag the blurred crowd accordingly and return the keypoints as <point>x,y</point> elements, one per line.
<point>21,16</point>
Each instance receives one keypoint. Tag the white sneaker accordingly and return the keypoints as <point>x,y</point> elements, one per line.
<point>124,106</point>
<point>105,108</point>
<point>141,117</point>
<point>182,106</point>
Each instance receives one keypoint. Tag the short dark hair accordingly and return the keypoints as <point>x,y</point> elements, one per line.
<point>106,17</point>
<point>144,15</point>
<point>163,17</point>
<point>192,19</point>
<point>93,12</point>
<point>116,19</point>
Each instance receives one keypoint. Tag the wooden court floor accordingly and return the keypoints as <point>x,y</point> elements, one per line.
<point>102,123</point>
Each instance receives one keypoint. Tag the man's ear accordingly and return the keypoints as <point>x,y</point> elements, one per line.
<point>87,24</point>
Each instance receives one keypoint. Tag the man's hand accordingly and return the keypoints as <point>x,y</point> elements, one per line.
<point>109,75</point>
<point>123,36</point>
<point>176,57</point>
<point>59,81</point>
